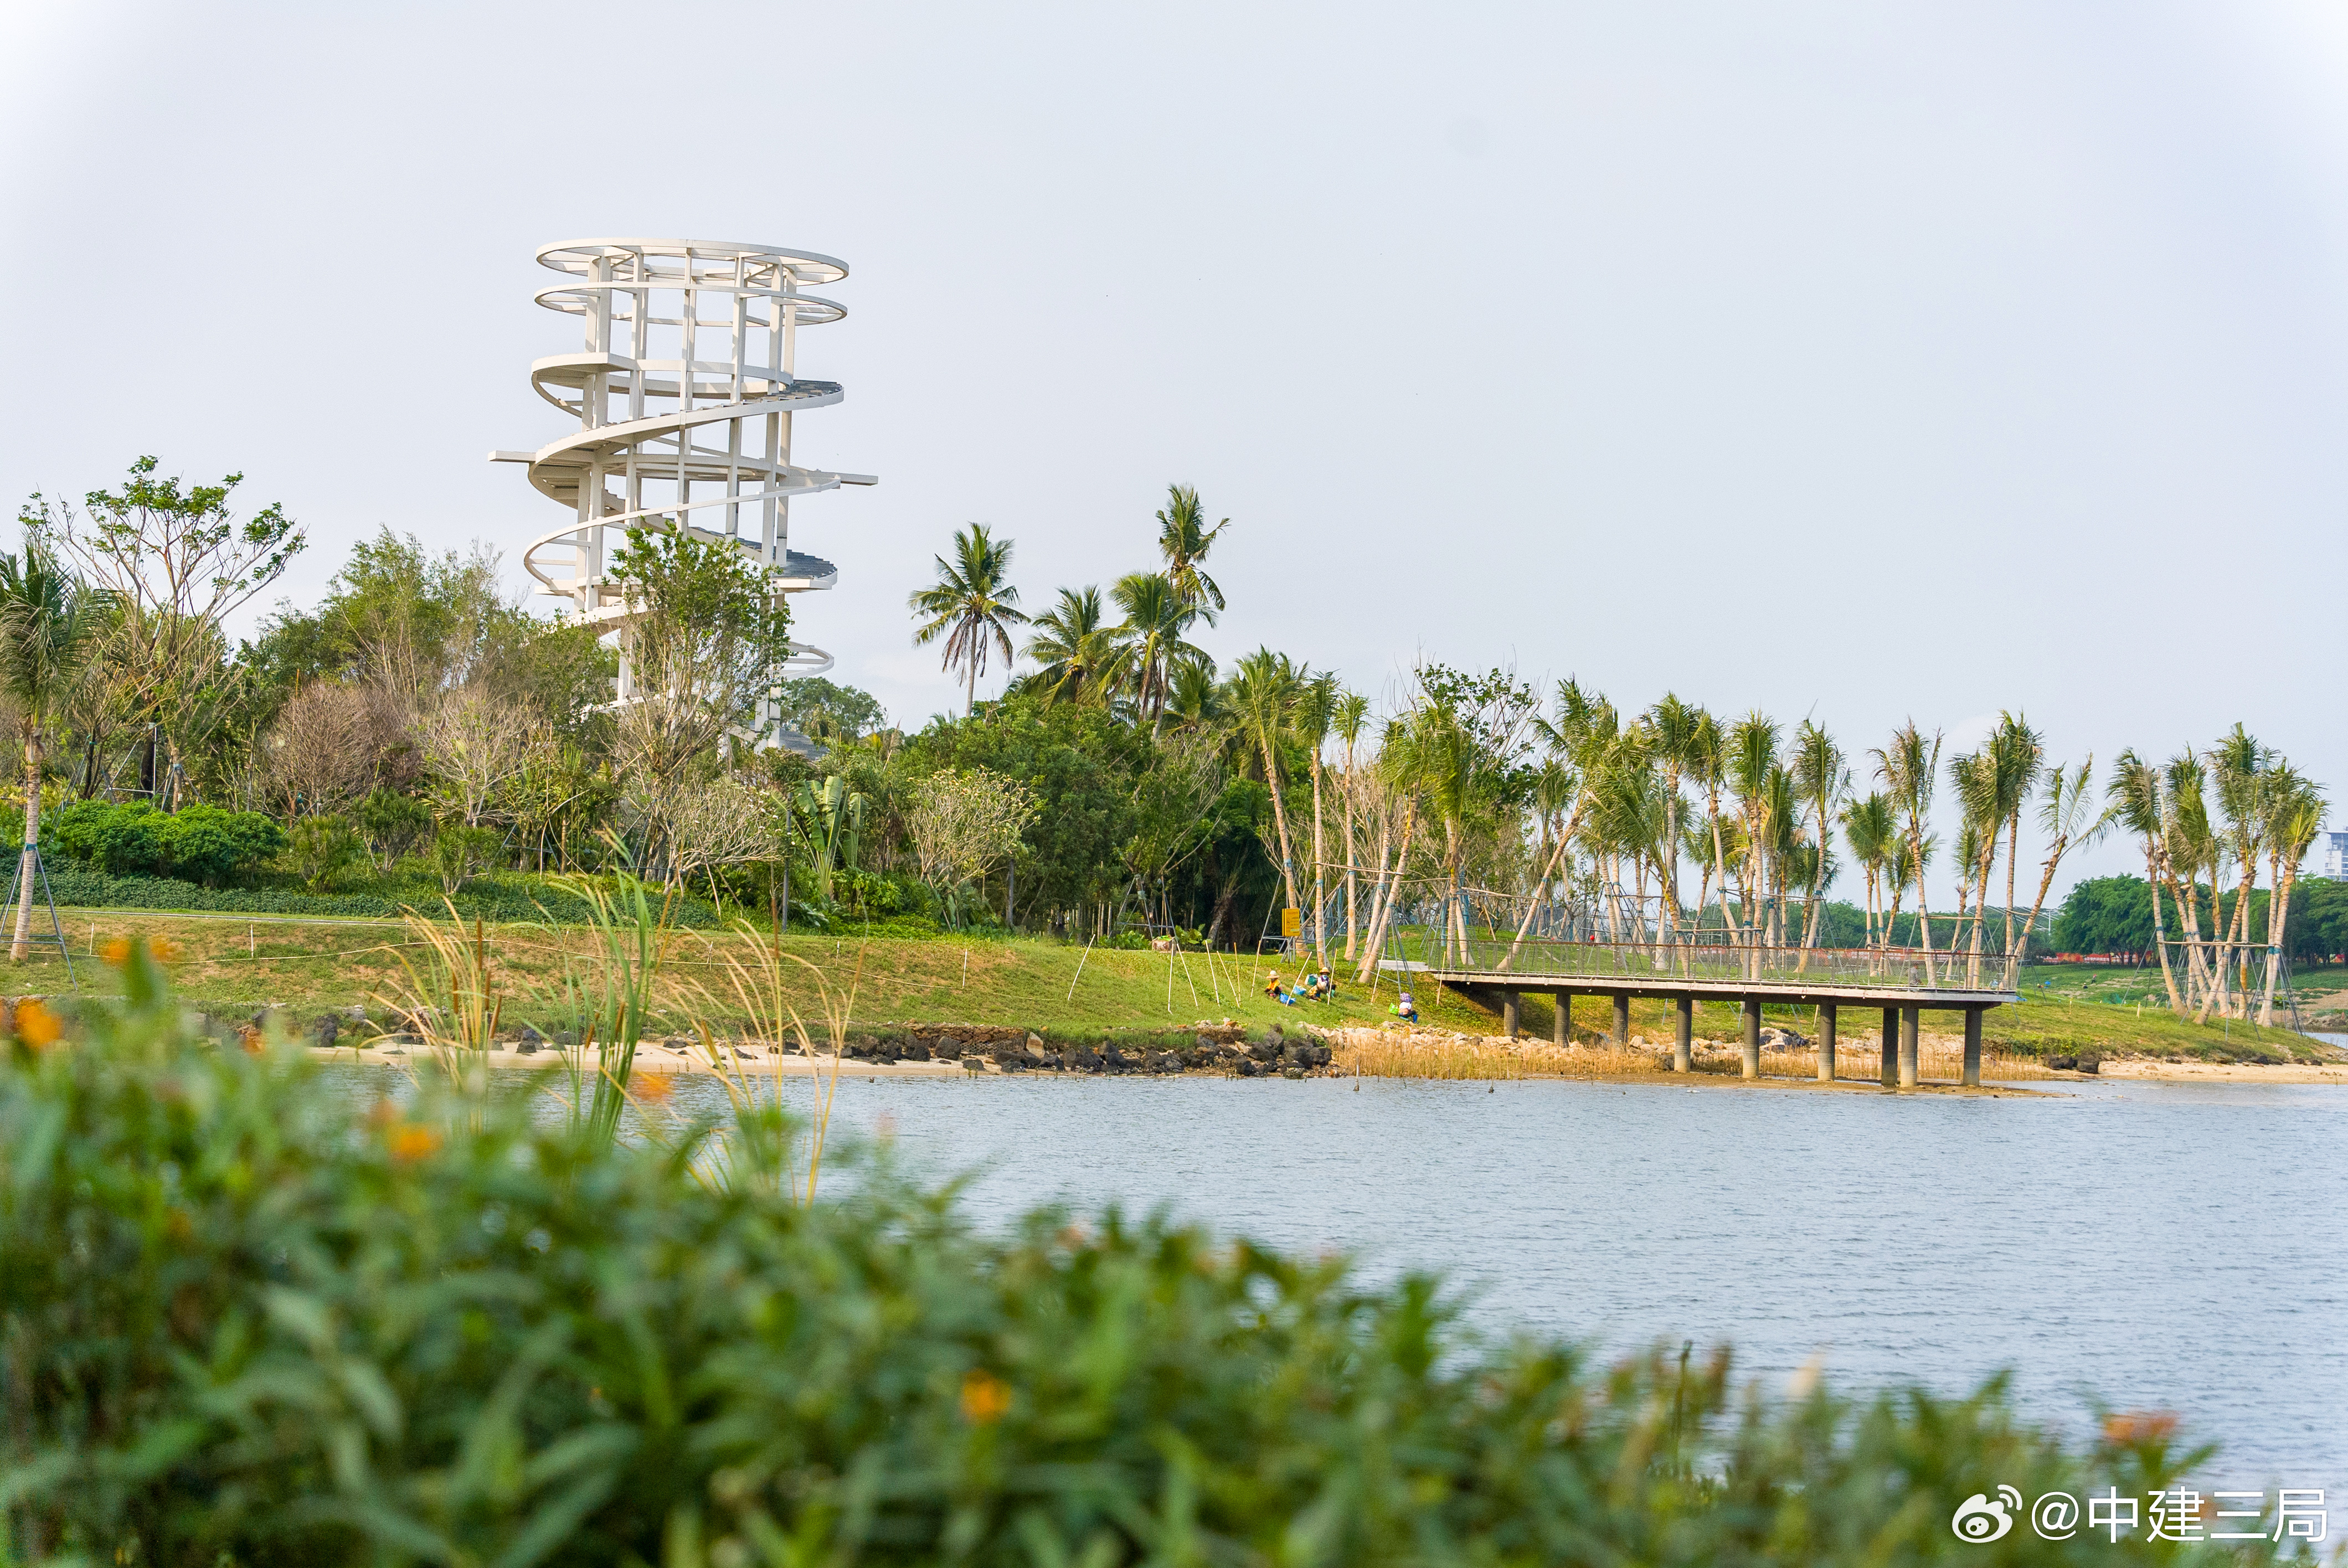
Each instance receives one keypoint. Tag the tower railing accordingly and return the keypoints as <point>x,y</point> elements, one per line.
<point>685,388</point>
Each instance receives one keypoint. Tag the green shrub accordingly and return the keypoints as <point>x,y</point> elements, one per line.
<point>394,823</point>
<point>197,843</point>
<point>321,848</point>
<point>459,851</point>
<point>245,1320</point>
<point>121,840</point>
<point>503,897</point>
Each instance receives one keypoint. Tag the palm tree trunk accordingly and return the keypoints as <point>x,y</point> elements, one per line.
<point>2189,917</point>
<point>2013,852</point>
<point>2154,883</point>
<point>1382,910</point>
<point>1319,876</point>
<point>1280,820</point>
<point>28,868</point>
<point>1350,878</point>
<point>1923,896</point>
<point>1548,870</point>
<point>2278,927</point>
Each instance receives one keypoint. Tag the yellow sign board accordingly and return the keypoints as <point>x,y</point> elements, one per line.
<point>1291,923</point>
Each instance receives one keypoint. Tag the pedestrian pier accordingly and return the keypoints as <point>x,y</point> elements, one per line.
<point>1901,983</point>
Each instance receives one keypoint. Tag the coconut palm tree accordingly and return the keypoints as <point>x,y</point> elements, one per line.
<point>1346,717</point>
<point>971,606</point>
<point>2296,817</point>
<point>2064,816</point>
<point>1909,768</point>
<point>1184,539</point>
<point>1673,727</point>
<point>1072,645</point>
<point>1751,757</point>
<point>1821,778</point>
<point>2135,799</point>
<point>2240,765</point>
<point>1147,643</point>
<point>1706,762</point>
<point>2193,847</point>
<point>1871,831</point>
<point>1315,711</point>
<point>2022,753</point>
<point>1263,700</point>
<point>1196,702</point>
<point>1447,765</point>
<point>49,627</point>
<point>1979,779</point>
<point>1396,771</point>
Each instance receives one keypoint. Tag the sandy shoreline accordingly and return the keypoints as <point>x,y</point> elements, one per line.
<point>655,1060</point>
<point>658,1058</point>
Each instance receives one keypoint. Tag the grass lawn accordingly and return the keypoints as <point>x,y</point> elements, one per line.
<point>232,967</point>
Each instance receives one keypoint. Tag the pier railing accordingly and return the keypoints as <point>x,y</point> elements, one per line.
<point>1500,956</point>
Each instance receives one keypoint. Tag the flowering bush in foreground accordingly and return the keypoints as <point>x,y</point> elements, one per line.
<point>247,1319</point>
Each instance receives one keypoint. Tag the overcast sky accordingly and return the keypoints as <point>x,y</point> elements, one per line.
<point>1859,360</point>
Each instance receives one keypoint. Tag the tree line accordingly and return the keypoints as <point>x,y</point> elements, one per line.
<point>417,721</point>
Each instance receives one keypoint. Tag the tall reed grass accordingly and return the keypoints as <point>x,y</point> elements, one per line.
<point>756,974</point>
<point>1431,1056</point>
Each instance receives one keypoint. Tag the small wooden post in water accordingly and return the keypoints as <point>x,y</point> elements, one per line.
<point>1890,1046</point>
<point>1508,1014</point>
<point>1972,1048</point>
<point>1560,1028</point>
<point>1623,1018</point>
<point>1752,1036</point>
<point>1909,1017</point>
<point>1826,1043</point>
<point>1683,1037</point>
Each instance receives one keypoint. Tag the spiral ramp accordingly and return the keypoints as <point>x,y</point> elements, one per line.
<point>685,392</point>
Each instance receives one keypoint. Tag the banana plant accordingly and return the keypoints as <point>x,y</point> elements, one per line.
<point>832,819</point>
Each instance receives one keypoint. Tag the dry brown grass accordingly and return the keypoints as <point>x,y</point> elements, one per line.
<point>1445,1056</point>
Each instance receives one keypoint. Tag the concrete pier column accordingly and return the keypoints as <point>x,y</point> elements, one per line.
<point>1560,1030</point>
<point>1508,1014</point>
<point>1683,1036</point>
<point>1622,1020</point>
<point>1907,1046</point>
<point>1972,1048</point>
<point>1890,1046</point>
<point>1752,1036</point>
<point>1826,1043</point>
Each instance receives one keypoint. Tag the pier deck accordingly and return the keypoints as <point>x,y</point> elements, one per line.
<point>1902,983</point>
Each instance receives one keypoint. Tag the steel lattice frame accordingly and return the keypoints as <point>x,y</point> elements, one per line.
<point>700,442</point>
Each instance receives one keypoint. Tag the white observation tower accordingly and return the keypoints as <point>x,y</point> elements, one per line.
<point>684,390</point>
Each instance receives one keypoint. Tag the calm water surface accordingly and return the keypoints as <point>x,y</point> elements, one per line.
<point>2164,1245</point>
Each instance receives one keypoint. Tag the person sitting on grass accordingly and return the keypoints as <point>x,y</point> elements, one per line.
<point>1271,983</point>
<point>1404,1009</point>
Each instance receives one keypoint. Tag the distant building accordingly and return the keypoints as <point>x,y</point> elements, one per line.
<point>2335,857</point>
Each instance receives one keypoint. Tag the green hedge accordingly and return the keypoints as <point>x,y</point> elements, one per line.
<point>491,899</point>
<point>199,843</point>
<point>248,1321</point>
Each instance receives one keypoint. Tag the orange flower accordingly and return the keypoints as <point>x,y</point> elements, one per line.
<point>37,1026</point>
<point>410,1142</point>
<point>2139,1425</point>
<point>985,1398</point>
<point>116,950</point>
<point>651,1087</point>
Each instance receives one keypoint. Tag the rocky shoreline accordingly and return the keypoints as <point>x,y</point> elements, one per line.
<point>1216,1047</point>
<point>1223,1049</point>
